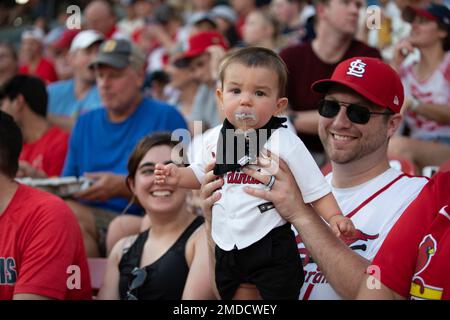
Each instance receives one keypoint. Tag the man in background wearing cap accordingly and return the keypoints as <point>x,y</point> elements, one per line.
<point>336,25</point>
<point>31,51</point>
<point>44,150</point>
<point>70,98</point>
<point>358,116</point>
<point>205,50</point>
<point>102,139</point>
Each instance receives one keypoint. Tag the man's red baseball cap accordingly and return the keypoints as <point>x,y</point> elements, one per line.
<point>199,42</point>
<point>371,78</point>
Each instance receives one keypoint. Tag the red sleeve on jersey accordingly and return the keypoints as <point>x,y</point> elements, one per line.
<point>398,254</point>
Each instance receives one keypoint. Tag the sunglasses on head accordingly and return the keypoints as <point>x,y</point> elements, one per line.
<point>139,277</point>
<point>355,112</point>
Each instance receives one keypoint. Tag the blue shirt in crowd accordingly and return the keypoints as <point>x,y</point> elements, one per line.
<point>98,145</point>
<point>62,100</point>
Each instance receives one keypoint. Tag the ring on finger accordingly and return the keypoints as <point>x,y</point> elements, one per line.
<point>271,182</point>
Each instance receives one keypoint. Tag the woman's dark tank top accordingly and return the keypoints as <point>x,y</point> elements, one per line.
<point>166,276</point>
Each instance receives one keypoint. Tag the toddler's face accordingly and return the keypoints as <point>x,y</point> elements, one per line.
<point>249,96</point>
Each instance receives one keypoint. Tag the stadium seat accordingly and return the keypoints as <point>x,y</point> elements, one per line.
<point>428,171</point>
<point>404,165</point>
<point>97,268</point>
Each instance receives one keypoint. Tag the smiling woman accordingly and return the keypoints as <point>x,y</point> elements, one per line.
<point>426,81</point>
<point>169,260</point>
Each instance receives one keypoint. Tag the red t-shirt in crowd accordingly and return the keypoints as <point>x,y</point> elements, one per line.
<point>414,258</point>
<point>44,70</point>
<point>305,67</point>
<point>41,248</point>
<point>48,153</point>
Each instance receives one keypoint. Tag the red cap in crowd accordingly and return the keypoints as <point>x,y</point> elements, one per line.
<point>371,78</point>
<point>199,42</point>
<point>434,12</point>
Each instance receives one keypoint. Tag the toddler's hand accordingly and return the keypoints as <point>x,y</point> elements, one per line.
<point>167,174</point>
<point>342,226</point>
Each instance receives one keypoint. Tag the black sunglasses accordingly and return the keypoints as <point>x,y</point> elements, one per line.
<point>139,277</point>
<point>355,112</point>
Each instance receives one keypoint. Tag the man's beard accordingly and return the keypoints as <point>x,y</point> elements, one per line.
<point>362,149</point>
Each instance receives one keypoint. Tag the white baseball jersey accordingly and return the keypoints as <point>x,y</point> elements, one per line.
<point>374,207</point>
<point>239,219</point>
<point>436,90</point>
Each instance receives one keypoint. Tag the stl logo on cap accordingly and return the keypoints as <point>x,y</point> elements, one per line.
<point>356,68</point>
<point>109,46</point>
<point>369,77</point>
<point>396,102</point>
